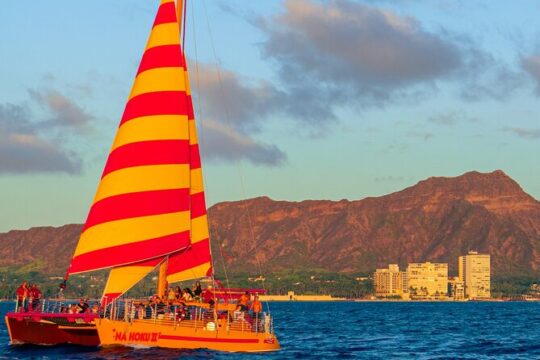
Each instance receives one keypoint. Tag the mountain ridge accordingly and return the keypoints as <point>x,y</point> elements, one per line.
<point>437,219</point>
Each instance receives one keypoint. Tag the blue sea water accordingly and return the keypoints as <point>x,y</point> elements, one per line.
<point>361,330</point>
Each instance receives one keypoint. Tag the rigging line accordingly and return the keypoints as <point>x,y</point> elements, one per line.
<point>184,6</point>
<point>202,138</point>
<point>227,119</point>
<point>184,26</point>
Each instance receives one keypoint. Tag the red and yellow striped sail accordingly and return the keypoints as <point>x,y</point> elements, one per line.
<point>123,278</point>
<point>150,201</point>
<point>195,261</point>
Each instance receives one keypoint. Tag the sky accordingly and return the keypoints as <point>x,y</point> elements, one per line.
<point>295,99</point>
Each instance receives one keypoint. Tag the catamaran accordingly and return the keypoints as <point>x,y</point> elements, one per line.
<point>149,212</point>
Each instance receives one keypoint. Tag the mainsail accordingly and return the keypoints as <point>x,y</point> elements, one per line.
<point>150,205</point>
<point>194,262</point>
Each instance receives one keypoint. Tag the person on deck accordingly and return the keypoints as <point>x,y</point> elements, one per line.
<point>95,308</point>
<point>82,306</point>
<point>256,306</point>
<point>208,296</point>
<point>171,296</point>
<point>22,296</point>
<point>148,310</point>
<point>180,313</point>
<point>160,307</point>
<point>256,310</point>
<point>35,297</point>
<point>243,301</point>
<point>186,296</point>
<point>198,291</point>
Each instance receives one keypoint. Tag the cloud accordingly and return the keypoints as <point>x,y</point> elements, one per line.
<point>525,133</point>
<point>342,52</point>
<point>230,99</point>
<point>531,65</point>
<point>487,79</point>
<point>223,143</point>
<point>23,150</point>
<point>351,42</point>
<point>23,153</point>
<point>338,53</point>
<point>14,118</point>
<point>63,111</point>
<point>233,109</point>
<point>246,104</point>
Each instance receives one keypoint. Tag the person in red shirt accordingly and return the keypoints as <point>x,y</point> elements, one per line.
<point>208,296</point>
<point>35,296</point>
<point>22,296</point>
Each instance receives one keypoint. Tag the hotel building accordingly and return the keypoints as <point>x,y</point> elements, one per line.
<point>428,280</point>
<point>390,282</point>
<point>474,271</point>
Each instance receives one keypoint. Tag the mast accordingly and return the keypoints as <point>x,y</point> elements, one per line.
<point>162,283</point>
<point>180,15</point>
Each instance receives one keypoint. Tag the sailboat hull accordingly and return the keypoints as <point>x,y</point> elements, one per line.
<point>182,335</point>
<point>38,329</point>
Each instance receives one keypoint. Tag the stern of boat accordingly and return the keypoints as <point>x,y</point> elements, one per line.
<point>51,329</point>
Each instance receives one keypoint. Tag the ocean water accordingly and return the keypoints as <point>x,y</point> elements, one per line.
<point>358,330</point>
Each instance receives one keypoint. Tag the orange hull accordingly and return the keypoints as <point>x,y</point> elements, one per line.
<point>186,334</point>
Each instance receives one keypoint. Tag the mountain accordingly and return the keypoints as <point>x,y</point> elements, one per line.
<point>47,249</point>
<point>436,220</point>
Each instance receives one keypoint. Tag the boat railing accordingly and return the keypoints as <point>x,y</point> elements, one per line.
<point>55,310</point>
<point>190,315</point>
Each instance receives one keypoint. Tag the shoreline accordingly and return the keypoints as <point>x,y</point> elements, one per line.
<point>402,301</point>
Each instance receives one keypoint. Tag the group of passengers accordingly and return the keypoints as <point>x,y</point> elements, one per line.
<point>157,308</point>
<point>185,295</point>
<point>82,307</point>
<point>180,304</point>
<point>243,304</point>
<point>28,297</point>
<point>248,311</point>
<point>177,304</point>
<point>179,296</point>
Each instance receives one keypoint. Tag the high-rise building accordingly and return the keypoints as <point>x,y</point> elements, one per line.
<point>475,272</point>
<point>390,282</point>
<point>428,280</point>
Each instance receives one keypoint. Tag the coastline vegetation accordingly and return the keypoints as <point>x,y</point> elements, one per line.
<point>307,282</point>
